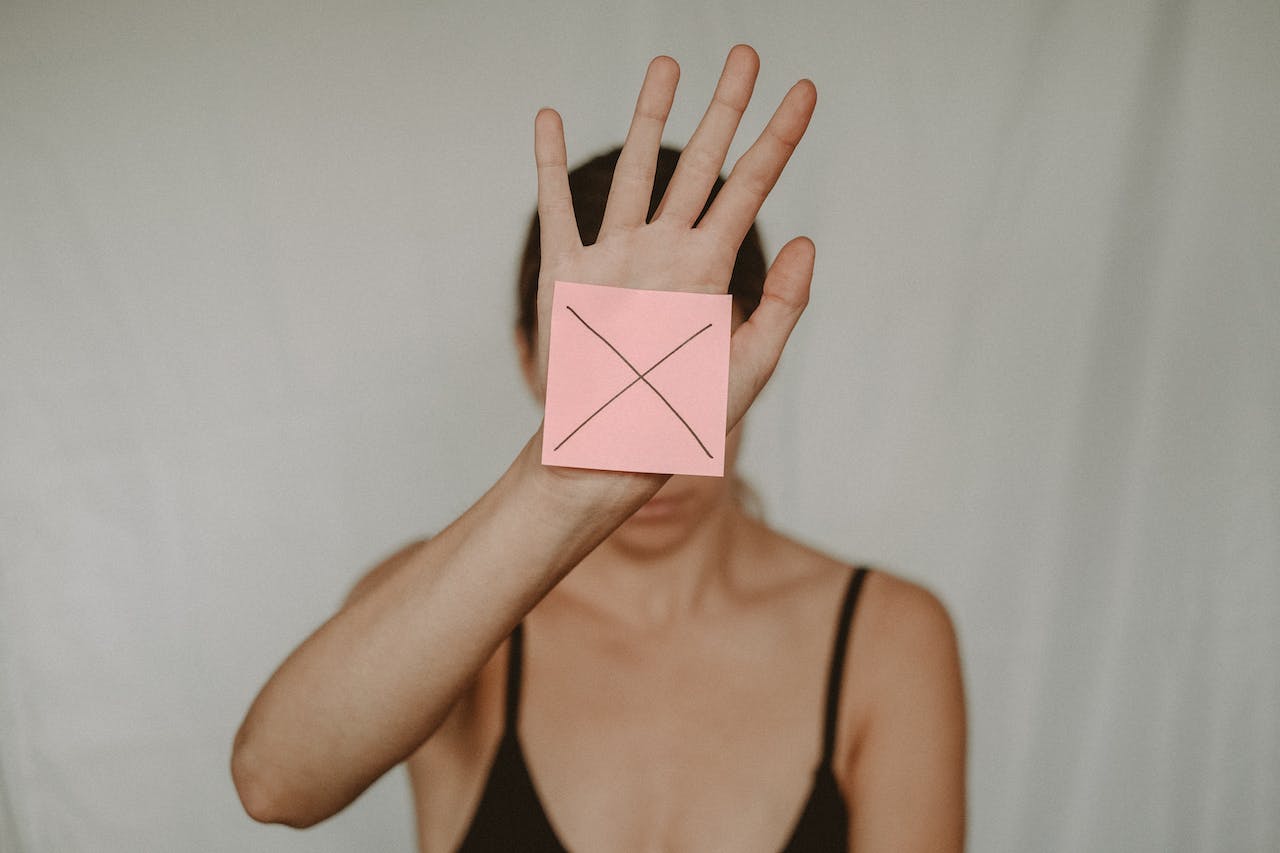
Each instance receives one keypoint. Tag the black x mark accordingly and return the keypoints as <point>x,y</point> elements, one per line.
<point>640,377</point>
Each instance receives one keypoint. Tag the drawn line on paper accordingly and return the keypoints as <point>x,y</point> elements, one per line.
<point>640,377</point>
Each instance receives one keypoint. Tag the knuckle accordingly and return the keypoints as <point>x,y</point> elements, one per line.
<point>653,113</point>
<point>792,302</point>
<point>758,183</point>
<point>632,171</point>
<point>737,106</point>
<point>787,143</point>
<point>702,160</point>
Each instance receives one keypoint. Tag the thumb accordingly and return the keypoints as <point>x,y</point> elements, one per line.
<point>757,344</point>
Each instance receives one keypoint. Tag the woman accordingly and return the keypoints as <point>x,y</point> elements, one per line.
<point>606,661</point>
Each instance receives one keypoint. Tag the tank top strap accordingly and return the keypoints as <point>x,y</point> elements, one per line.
<point>837,661</point>
<point>515,655</point>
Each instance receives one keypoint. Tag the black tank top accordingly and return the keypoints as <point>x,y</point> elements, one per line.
<point>510,816</point>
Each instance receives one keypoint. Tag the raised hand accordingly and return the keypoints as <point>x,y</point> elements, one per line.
<point>669,253</point>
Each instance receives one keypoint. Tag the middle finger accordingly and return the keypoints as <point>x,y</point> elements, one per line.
<point>700,162</point>
<point>632,183</point>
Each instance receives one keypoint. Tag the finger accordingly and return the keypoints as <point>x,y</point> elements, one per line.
<point>632,186</point>
<point>558,226</point>
<point>757,345</point>
<point>757,170</point>
<point>700,162</point>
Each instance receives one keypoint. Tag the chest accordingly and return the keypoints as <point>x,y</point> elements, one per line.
<point>694,753</point>
<point>709,745</point>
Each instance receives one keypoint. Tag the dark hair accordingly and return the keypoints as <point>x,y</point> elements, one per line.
<point>589,186</point>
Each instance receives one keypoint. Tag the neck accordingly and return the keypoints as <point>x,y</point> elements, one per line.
<point>643,579</point>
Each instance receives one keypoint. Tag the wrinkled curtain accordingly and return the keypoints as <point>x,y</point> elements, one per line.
<point>257,266</point>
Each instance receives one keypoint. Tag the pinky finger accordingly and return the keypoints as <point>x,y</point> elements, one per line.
<point>556,220</point>
<point>757,345</point>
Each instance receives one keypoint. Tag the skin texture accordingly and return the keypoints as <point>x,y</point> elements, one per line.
<point>676,648</point>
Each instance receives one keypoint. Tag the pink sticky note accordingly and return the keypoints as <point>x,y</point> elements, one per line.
<point>637,380</point>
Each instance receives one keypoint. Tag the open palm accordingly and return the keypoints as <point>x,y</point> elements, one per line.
<point>668,253</point>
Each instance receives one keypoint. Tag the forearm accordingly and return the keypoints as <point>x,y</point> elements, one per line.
<point>376,679</point>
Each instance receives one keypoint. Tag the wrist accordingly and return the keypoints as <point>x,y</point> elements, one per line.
<point>583,489</point>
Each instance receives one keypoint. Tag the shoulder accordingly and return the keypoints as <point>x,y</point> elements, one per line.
<point>898,621</point>
<point>902,650</point>
<point>905,620</point>
<point>904,756</point>
<point>906,650</point>
<point>901,617</point>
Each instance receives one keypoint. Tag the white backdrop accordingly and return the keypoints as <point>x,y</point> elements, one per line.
<point>256,276</point>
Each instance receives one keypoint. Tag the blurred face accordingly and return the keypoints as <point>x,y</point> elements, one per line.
<point>680,506</point>
<point>682,503</point>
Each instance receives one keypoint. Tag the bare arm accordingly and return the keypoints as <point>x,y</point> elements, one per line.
<point>379,574</point>
<point>909,775</point>
<point>377,679</point>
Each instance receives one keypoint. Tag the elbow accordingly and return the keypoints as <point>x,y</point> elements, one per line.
<point>262,797</point>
